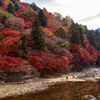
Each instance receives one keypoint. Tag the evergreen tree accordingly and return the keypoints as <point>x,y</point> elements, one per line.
<point>37,35</point>
<point>1,3</point>
<point>92,39</point>
<point>1,37</point>
<point>10,9</point>
<point>3,19</point>
<point>34,7</point>
<point>61,33</point>
<point>23,47</point>
<point>74,33</point>
<point>42,18</point>
<point>16,7</point>
<point>81,37</point>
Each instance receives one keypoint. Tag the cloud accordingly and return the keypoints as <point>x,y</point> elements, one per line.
<point>91,17</point>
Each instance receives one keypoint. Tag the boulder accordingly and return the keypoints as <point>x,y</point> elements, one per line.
<point>89,97</point>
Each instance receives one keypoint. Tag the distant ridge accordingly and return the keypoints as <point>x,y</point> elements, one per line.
<point>98,29</point>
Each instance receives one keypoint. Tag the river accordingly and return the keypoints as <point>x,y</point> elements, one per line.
<point>83,84</point>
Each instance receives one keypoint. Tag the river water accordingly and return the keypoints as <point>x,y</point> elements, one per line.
<point>69,90</point>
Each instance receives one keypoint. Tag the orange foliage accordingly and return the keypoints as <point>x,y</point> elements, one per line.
<point>53,25</point>
<point>47,32</point>
<point>49,16</point>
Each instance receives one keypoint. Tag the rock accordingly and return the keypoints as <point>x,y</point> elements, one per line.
<point>2,82</point>
<point>35,73</point>
<point>2,78</point>
<point>89,97</point>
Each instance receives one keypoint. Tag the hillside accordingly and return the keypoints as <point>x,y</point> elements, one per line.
<point>33,38</point>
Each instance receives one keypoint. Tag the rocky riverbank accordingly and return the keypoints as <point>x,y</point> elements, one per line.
<point>36,84</point>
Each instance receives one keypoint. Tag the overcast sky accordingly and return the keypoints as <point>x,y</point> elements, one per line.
<point>86,12</point>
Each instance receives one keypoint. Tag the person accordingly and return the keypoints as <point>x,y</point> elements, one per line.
<point>67,77</point>
<point>55,76</point>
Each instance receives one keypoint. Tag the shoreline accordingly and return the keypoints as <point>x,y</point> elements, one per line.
<point>38,84</point>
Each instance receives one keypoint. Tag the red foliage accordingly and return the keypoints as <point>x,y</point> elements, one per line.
<point>29,41</point>
<point>28,25</point>
<point>10,43</point>
<point>24,4</point>
<point>9,64</point>
<point>9,47</point>
<point>3,8</point>
<point>49,62</point>
<point>11,33</point>
<point>81,56</point>
<point>92,52</point>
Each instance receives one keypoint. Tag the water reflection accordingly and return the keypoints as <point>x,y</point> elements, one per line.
<point>64,91</point>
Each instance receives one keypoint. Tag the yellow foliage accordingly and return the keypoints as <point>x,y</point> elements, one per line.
<point>47,32</point>
<point>65,44</point>
<point>83,28</point>
<point>69,23</point>
<point>6,2</point>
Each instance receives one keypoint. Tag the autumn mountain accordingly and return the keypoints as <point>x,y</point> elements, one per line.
<point>31,36</point>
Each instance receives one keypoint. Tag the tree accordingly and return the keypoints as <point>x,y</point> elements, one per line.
<point>58,16</point>
<point>3,19</point>
<point>61,33</point>
<point>34,6</point>
<point>92,38</point>
<point>81,37</point>
<point>10,9</point>
<point>42,18</point>
<point>75,35</point>
<point>1,3</point>
<point>16,7</point>
<point>23,46</point>
<point>37,35</point>
<point>15,23</point>
<point>48,62</point>
<point>1,37</point>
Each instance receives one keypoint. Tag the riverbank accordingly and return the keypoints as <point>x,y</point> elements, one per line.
<point>38,84</point>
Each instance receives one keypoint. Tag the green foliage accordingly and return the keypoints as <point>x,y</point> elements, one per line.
<point>37,35</point>
<point>5,13</point>
<point>16,7</point>
<point>10,9</point>
<point>23,46</point>
<point>61,33</point>
<point>81,37</point>
<point>1,37</point>
<point>75,35</point>
<point>34,7</point>
<point>3,19</point>
<point>58,16</point>
<point>1,3</point>
<point>42,18</point>
<point>94,40</point>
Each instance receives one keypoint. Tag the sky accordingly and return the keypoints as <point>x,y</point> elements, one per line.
<point>85,12</point>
